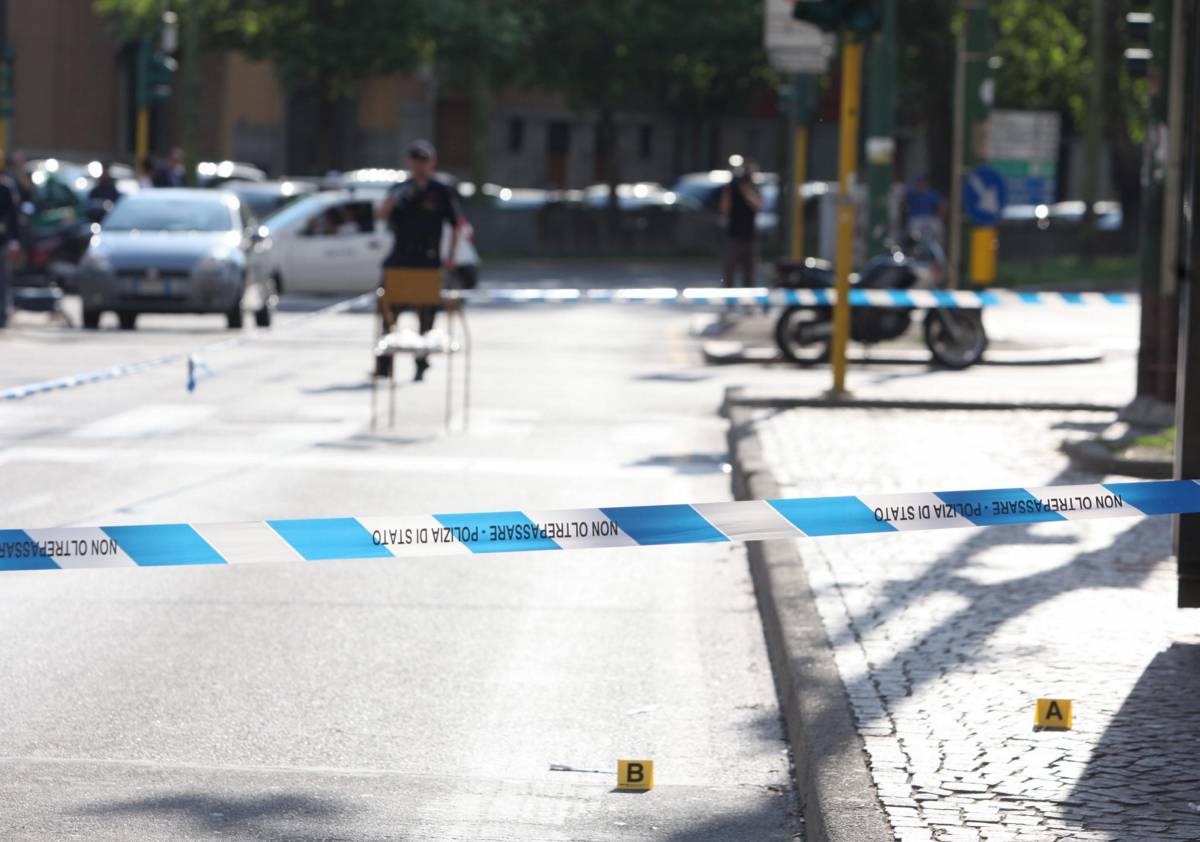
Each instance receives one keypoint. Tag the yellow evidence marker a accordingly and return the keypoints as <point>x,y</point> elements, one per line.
<point>635,775</point>
<point>1052,713</point>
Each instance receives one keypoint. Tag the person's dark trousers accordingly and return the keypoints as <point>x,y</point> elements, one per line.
<point>425,319</point>
<point>739,259</point>
<point>5,284</point>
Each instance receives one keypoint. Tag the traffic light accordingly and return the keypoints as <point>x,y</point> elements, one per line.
<point>861,17</point>
<point>156,72</point>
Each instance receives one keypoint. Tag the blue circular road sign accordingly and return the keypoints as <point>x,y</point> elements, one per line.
<point>984,195</point>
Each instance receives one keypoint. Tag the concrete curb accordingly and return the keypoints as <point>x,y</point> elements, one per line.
<point>737,397</point>
<point>1093,456</point>
<point>732,352</point>
<point>836,790</point>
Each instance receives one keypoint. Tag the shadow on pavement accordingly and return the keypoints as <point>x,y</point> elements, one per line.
<point>1144,773</point>
<point>335,388</point>
<point>779,822</point>
<point>270,817</point>
<point>959,638</point>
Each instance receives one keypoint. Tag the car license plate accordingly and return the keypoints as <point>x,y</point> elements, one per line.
<point>149,285</point>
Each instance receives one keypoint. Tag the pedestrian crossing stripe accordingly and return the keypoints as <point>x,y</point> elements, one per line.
<point>513,531</point>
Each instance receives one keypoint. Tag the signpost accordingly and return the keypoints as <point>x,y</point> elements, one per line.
<point>1023,146</point>
<point>801,50</point>
<point>985,193</point>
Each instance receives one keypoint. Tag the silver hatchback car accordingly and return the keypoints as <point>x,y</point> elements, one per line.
<point>177,251</point>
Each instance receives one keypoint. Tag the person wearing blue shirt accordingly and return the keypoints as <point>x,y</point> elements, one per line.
<point>924,205</point>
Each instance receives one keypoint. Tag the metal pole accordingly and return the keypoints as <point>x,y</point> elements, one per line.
<point>1155,351</point>
<point>973,102</point>
<point>142,137</point>
<point>6,56</point>
<point>847,177</point>
<point>190,71</point>
<point>881,127</point>
<point>1095,114</point>
<point>1187,406</point>
<point>957,170</point>
<point>799,124</point>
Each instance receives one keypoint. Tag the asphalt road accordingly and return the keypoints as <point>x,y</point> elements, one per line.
<point>414,699</point>
<point>380,700</point>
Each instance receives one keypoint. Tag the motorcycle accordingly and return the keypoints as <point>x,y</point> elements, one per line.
<point>955,337</point>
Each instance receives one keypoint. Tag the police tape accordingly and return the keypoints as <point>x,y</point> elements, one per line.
<point>346,538</point>
<point>926,299</point>
<point>189,358</point>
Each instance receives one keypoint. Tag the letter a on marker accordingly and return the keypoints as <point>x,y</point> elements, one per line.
<point>1052,713</point>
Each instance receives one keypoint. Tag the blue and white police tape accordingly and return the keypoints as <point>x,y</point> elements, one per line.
<point>765,297</point>
<point>173,544</point>
<point>189,358</point>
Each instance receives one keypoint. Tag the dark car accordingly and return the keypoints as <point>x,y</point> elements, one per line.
<point>176,250</point>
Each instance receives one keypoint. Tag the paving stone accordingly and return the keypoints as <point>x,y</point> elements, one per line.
<point>945,638</point>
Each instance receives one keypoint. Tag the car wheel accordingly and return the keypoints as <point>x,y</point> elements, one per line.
<point>91,319</point>
<point>128,319</point>
<point>262,316</point>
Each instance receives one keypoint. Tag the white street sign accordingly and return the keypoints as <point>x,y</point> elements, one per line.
<point>794,46</point>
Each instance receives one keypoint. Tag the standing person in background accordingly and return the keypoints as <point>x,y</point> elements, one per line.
<point>10,240</point>
<point>170,174</point>
<point>740,204</point>
<point>17,172</point>
<point>416,210</point>
<point>145,173</point>
<point>103,195</point>
<point>924,206</point>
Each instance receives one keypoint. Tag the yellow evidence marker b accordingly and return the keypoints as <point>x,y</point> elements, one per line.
<point>1052,713</point>
<point>635,774</point>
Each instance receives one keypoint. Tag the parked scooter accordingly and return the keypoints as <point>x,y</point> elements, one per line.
<point>955,337</point>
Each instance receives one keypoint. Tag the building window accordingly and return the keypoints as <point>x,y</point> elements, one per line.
<point>516,135</point>
<point>646,141</point>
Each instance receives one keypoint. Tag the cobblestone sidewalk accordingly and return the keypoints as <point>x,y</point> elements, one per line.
<point>944,639</point>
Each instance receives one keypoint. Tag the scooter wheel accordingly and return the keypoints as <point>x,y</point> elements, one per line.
<point>802,334</point>
<point>956,338</point>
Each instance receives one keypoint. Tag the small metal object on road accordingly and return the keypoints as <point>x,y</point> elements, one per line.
<point>562,767</point>
<point>635,775</point>
<point>1052,714</point>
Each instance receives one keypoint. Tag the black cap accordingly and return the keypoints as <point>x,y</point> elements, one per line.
<point>422,150</point>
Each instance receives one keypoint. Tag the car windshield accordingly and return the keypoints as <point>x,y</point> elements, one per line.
<point>173,214</point>
<point>295,212</point>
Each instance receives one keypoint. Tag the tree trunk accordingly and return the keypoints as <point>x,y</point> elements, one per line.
<point>481,121</point>
<point>610,157</point>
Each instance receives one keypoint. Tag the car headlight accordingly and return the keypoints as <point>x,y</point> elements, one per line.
<point>96,261</point>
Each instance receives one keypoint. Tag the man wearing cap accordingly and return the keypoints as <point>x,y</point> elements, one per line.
<point>416,210</point>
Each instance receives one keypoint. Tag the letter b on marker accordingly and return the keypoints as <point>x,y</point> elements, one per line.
<point>635,774</point>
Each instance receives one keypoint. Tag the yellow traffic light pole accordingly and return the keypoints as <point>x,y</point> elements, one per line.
<point>801,174</point>
<point>847,176</point>
<point>143,135</point>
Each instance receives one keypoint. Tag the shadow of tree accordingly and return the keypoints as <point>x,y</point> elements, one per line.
<point>1144,773</point>
<point>960,636</point>
<point>270,817</point>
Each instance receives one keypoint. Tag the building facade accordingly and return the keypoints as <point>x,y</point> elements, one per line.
<point>74,98</point>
